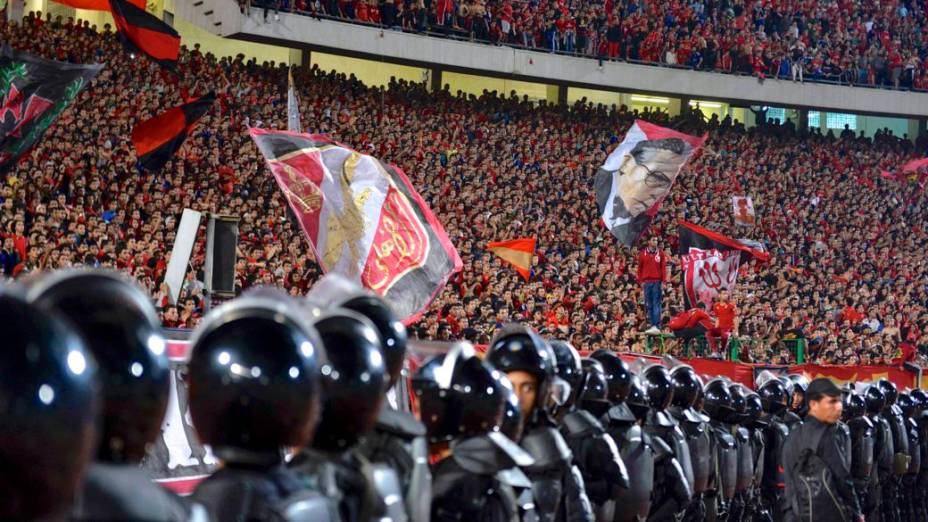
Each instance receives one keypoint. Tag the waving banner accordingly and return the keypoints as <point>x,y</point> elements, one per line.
<point>743,210</point>
<point>363,218</point>
<point>710,262</point>
<point>638,175</point>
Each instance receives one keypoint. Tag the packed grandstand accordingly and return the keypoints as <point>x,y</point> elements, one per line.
<point>847,42</point>
<point>848,270</point>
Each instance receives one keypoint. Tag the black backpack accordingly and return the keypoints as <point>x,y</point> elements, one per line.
<point>816,491</point>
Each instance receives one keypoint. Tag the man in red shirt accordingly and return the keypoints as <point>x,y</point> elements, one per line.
<point>652,271</point>
<point>725,312</point>
<point>690,324</point>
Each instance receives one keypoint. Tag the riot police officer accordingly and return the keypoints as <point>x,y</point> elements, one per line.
<point>594,389</point>
<point>49,400</point>
<point>745,447</point>
<point>883,451</point>
<point>756,422</point>
<point>911,408</point>
<point>353,382</point>
<point>921,398</point>
<point>398,440</point>
<point>462,401</point>
<point>893,416</point>
<point>254,389</point>
<point>695,427</point>
<point>121,328</point>
<point>672,479</point>
<point>529,363</point>
<point>594,451</point>
<point>774,396</point>
<point>718,405</point>
<point>623,422</point>
<point>862,442</point>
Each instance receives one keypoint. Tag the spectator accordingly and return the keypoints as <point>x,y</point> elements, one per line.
<point>652,272</point>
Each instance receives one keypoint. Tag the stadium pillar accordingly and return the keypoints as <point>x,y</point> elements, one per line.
<point>562,95</point>
<point>14,10</point>
<point>803,124</point>
<point>435,79</point>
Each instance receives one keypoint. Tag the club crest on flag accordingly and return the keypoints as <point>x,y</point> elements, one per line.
<point>743,210</point>
<point>362,217</point>
<point>708,272</point>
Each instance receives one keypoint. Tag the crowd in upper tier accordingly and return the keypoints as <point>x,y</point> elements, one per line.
<point>846,41</point>
<point>848,269</point>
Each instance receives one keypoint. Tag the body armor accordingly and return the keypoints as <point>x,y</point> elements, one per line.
<point>726,457</point>
<point>596,455</point>
<point>695,430</point>
<point>398,442</point>
<point>773,481</point>
<point>637,451</point>
<point>558,488</point>
<point>113,492</point>
<point>275,494</point>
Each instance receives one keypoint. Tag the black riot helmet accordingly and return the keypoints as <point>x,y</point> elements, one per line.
<point>516,347</point>
<point>49,405</point>
<point>353,379</point>
<point>909,406</point>
<point>920,398</point>
<point>686,386</point>
<point>637,399</point>
<point>659,385</point>
<point>121,329</point>
<point>875,399</point>
<point>739,403</point>
<point>618,375</point>
<point>254,379</point>
<point>717,402</point>
<point>854,406</point>
<point>568,370</point>
<point>459,395</point>
<point>754,410</point>
<point>392,333</point>
<point>594,389</point>
<point>774,396</point>
<point>889,391</point>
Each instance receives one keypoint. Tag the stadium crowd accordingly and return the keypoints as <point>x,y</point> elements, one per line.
<point>857,43</point>
<point>848,269</point>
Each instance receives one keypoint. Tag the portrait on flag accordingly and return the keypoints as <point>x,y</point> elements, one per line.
<point>638,175</point>
<point>743,210</point>
<point>362,217</point>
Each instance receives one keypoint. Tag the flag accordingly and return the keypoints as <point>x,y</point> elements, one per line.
<point>743,210</point>
<point>146,33</point>
<point>362,217</point>
<point>157,139</point>
<point>710,262</point>
<point>638,175</point>
<point>516,252</point>
<point>96,5</point>
<point>915,164</point>
<point>35,91</point>
<point>293,106</point>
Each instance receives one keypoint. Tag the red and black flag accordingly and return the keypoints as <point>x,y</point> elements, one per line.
<point>95,5</point>
<point>363,218</point>
<point>35,91</point>
<point>144,32</point>
<point>711,261</point>
<point>157,139</point>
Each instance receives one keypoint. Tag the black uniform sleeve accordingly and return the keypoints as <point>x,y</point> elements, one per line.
<point>832,450</point>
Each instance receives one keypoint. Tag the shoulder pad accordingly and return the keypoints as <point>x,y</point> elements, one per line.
<point>399,423</point>
<point>547,447</point>
<point>743,434</point>
<point>308,507</point>
<point>691,415</point>
<point>514,477</point>
<point>620,413</point>
<point>118,492</point>
<point>580,422</point>
<point>661,449</point>
<point>477,455</point>
<point>660,418</point>
<point>724,438</point>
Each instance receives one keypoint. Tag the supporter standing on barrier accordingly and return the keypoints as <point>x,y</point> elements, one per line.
<point>818,477</point>
<point>725,313</point>
<point>652,273</point>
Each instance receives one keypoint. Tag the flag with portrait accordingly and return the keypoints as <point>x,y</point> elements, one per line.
<point>638,175</point>
<point>743,210</point>
<point>362,217</point>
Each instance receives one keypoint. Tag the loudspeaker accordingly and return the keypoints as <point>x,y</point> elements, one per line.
<point>221,245</point>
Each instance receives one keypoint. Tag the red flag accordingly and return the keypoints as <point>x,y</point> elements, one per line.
<point>145,32</point>
<point>915,165</point>
<point>96,5</point>
<point>157,139</point>
<point>516,252</point>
